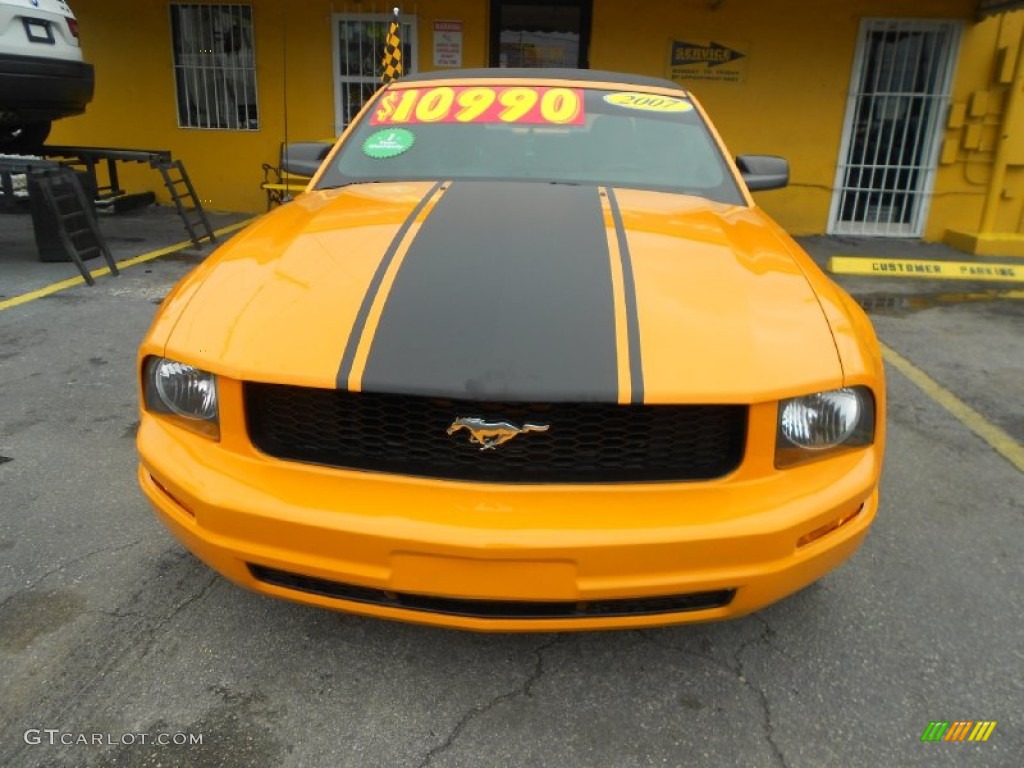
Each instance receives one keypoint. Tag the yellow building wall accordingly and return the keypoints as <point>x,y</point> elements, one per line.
<point>792,102</point>
<point>129,43</point>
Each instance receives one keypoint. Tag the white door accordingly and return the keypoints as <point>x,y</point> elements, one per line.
<point>358,51</point>
<point>897,102</point>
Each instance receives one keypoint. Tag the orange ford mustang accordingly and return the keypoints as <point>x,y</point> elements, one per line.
<point>524,356</point>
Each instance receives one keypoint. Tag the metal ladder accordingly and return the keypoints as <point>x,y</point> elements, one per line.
<point>76,224</point>
<point>178,184</point>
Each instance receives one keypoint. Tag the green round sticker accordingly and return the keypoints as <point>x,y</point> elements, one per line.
<point>388,143</point>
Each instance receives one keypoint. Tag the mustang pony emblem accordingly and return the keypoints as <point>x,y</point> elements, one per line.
<point>490,434</point>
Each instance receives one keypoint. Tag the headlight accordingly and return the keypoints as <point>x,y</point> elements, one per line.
<point>822,424</point>
<point>184,392</point>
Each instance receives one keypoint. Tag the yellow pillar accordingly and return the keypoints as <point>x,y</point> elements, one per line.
<point>1009,151</point>
<point>1010,115</point>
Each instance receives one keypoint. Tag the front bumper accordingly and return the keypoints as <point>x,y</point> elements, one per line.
<point>36,88</point>
<point>450,547</point>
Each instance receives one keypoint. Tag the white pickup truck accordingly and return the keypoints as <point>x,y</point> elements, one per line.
<point>42,74</point>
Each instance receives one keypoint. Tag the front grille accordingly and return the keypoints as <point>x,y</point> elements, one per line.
<point>495,609</point>
<point>407,435</point>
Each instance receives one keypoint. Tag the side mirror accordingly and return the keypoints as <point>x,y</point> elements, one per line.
<point>303,158</point>
<point>763,171</point>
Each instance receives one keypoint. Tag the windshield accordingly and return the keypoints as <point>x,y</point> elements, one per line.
<point>524,132</point>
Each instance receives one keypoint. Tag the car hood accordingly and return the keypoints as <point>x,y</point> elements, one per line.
<point>511,291</point>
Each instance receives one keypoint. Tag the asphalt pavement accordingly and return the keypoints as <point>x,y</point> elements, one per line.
<point>116,640</point>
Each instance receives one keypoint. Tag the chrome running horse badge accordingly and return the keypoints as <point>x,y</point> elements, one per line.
<point>490,434</point>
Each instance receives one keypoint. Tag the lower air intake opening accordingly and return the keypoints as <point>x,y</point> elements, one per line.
<point>495,609</point>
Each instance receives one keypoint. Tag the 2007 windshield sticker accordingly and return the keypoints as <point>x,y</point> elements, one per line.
<point>648,102</point>
<point>388,143</point>
<point>481,104</point>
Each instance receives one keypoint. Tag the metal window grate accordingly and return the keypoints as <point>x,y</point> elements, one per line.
<point>898,94</point>
<point>215,66</point>
<point>359,49</point>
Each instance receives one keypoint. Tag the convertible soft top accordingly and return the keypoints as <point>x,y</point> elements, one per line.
<point>586,75</point>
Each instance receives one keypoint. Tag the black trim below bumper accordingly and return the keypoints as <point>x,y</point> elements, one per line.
<point>35,88</point>
<point>495,609</point>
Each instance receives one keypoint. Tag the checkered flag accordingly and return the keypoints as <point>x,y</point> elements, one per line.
<point>392,61</point>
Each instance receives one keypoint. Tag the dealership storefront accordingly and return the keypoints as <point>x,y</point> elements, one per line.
<point>900,117</point>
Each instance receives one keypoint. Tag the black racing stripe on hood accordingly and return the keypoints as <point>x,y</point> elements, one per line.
<point>505,293</point>
<point>636,368</point>
<point>359,325</point>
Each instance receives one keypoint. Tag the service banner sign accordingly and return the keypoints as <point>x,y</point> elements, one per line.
<point>712,61</point>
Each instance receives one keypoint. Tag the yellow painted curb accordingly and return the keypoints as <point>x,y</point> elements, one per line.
<point>71,282</point>
<point>941,270</point>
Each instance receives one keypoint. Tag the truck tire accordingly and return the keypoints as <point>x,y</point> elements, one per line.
<point>26,138</point>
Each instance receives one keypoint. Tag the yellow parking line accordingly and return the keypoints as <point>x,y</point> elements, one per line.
<point>53,288</point>
<point>996,437</point>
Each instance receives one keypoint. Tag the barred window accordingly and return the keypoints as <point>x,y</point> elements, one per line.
<point>215,66</point>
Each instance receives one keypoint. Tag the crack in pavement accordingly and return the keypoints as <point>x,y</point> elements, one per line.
<point>116,614</point>
<point>769,729</point>
<point>137,642</point>
<point>63,566</point>
<point>737,669</point>
<point>148,634</point>
<point>526,689</point>
<point>164,621</point>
